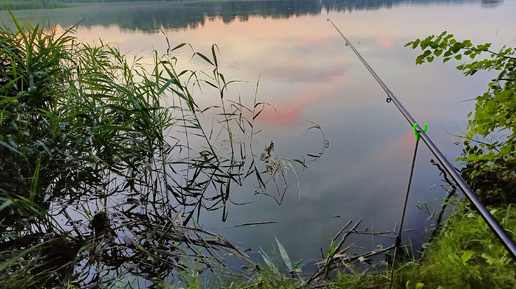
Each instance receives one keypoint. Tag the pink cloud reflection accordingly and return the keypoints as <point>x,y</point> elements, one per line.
<point>277,115</point>
<point>385,42</point>
<point>317,41</point>
<point>281,116</point>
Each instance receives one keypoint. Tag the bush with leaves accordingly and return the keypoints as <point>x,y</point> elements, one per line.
<point>490,145</point>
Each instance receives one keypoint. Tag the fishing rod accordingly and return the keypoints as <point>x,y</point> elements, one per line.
<point>486,215</point>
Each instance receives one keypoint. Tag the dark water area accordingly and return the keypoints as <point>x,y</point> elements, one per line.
<point>308,75</point>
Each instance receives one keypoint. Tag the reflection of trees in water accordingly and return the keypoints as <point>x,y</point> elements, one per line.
<point>152,17</point>
<point>491,3</point>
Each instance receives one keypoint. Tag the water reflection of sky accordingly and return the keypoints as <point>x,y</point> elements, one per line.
<point>306,73</point>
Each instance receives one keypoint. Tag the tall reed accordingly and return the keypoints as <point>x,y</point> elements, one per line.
<point>110,161</point>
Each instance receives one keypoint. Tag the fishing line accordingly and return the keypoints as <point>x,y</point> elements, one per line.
<point>475,202</point>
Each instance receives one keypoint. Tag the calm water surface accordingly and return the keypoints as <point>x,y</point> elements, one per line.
<point>307,74</point>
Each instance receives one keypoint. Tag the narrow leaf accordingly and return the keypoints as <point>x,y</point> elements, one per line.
<point>284,255</point>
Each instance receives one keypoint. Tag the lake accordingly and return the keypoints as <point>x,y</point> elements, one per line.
<point>308,75</point>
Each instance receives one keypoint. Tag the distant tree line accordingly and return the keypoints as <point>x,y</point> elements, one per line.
<point>185,14</point>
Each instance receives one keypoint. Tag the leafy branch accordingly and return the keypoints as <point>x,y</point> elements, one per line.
<point>490,164</point>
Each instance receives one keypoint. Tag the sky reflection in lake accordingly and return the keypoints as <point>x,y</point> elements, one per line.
<point>307,74</point>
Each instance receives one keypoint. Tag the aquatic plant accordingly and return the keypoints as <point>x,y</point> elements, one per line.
<point>107,162</point>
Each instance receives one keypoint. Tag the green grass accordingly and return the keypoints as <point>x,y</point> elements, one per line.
<point>466,255</point>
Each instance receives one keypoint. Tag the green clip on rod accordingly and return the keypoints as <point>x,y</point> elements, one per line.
<point>486,215</point>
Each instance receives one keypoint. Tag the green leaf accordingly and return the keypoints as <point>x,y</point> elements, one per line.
<point>86,212</point>
<point>5,204</point>
<point>426,42</point>
<point>205,58</point>
<point>9,99</point>
<point>301,162</point>
<point>34,182</point>
<point>415,43</point>
<point>467,256</point>
<point>332,250</point>
<point>490,260</point>
<point>284,255</point>
<point>12,148</point>
<point>268,261</point>
<point>178,46</point>
<point>505,150</point>
<point>214,54</point>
